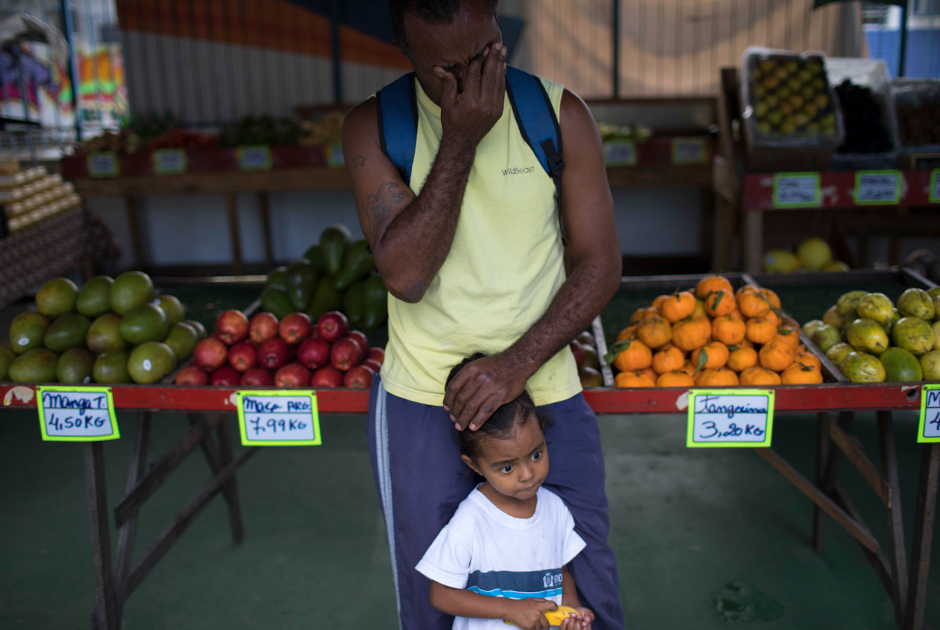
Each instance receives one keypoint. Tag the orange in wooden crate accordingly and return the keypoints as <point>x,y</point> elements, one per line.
<point>719,303</point>
<point>677,378</point>
<point>712,283</point>
<point>668,360</point>
<point>752,304</point>
<point>691,333</point>
<point>802,374</point>
<point>636,356</point>
<point>759,376</point>
<point>722,377</point>
<point>777,355</point>
<point>760,330</point>
<point>742,358</point>
<point>678,306</point>
<point>729,330</point>
<point>804,356</point>
<point>717,353</point>
<point>636,378</point>
<point>654,331</point>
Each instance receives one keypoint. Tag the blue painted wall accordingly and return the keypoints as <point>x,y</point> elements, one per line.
<point>923,51</point>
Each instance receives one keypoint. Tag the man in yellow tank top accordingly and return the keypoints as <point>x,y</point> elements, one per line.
<point>471,252</point>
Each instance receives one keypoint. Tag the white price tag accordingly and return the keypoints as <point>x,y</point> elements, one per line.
<point>169,161</point>
<point>730,418</point>
<point>278,418</point>
<point>929,414</point>
<point>76,414</point>
<point>620,153</point>
<point>878,187</point>
<point>935,186</point>
<point>102,165</point>
<point>686,151</point>
<point>794,190</point>
<point>254,158</point>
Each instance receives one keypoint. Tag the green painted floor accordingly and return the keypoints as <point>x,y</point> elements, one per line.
<point>691,529</point>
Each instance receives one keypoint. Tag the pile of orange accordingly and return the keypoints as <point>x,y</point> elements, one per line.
<point>714,336</point>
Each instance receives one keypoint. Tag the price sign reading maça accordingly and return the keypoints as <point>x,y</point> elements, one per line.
<point>878,187</point>
<point>620,153</point>
<point>76,414</point>
<point>929,414</point>
<point>730,418</point>
<point>278,418</point>
<point>796,190</point>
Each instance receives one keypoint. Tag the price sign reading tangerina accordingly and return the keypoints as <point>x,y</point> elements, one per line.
<point>278,418</point>
<point>730,418</point>
<point>76,414</point>
<point>929,430</point>
<point>878,187</point>
<point>796,190</point>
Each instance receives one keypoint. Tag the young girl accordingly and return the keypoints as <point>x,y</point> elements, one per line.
<point>503,556</point>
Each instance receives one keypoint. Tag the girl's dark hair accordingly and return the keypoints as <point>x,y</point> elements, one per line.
<point>504,421</point>
<point>432,11</point>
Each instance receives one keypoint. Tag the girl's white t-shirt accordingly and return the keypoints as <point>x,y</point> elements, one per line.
<point>487,551</point>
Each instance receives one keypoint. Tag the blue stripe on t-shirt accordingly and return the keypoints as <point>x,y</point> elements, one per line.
<point>516,584</point>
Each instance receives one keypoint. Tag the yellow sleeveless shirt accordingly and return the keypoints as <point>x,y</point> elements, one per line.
<point>503,269</point>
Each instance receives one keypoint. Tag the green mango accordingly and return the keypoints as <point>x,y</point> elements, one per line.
<point>111,367</point>
<point>300,282</point>
<point>315,256</point>
<point>326,299</point>
<point>275,301</point>
<point>172,307</point>
<point>354,304</point>
<point>7,357</point>
<point>276,278</point>
<point>358,263</point>
<point>35,366</point>
<point>75,366</point>
<point>198,327</point>
<point>376,303</point>
<point>333,243</point>
<point>57,297</point>
<point>182,340</point>
<point>67,331</point>
<point>27,331</point>
<point>95,297</point>
<point>145,323</point>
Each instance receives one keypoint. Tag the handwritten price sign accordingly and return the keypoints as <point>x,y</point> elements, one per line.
<point>934,191</point>
<point>689,151</point>
<point>102,165</point>
<point>169,161</point>
<point>878,187</point>
<point>278,418</point>
<point>76,414</point>
<point>254,158</point>
<point>620,153</point>
<point>929,414</point>
<point>796,190</point>
<point>730,418</point>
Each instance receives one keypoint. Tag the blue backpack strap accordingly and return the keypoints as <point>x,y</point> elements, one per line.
<point>538,124</point>
<point>398,123</point>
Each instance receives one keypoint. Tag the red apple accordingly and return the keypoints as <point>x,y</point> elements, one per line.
<point>585,339</point>
<point>257,377</point>
<point>274,353</point>
<point>295,328</point>
<point>359,376</point>
<point>292,375</point>
<point>263,326</point>
<point>345,354</point>
<point>243,356</point>
<point>332,326</point>
<point>377,355</point>
<point>210,354</point>
<point>226,375</point>
<point>375,366</point>
<point>231,327</point>
<point>192,375</point>
<point>313,353</point>
<point>327,376</point>
<point>361,339</point>
<point>578,351</point>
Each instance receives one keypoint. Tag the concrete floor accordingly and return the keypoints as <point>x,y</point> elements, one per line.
<point>705,539</point>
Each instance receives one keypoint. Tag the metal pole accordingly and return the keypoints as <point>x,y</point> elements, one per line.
<point>615,66</point>
<point>337,60</point>
<point>903,60</point>
<point>69,27</point>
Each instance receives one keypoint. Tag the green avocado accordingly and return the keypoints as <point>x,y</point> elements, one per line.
<point>151,361</point>
<point>75,366</point>
<point>376,303</point>
<point>95,297</point>
<point>315,256</point>
<point>105,334</point>
<point>354,303</point>
<point>276,278</point>
<point>276,302</point>
<point>67,331</point>
<point>182,340</point>
<point>27,331</point>
<point>35,366</point>
<point>111,367</point>
<point>326,299</point>
<point>901,366</point>
<point>301,282</point>
<point>172,308</point>
<point>333,243</point>
<point>130,290</point>
<point>357,264</point>
<point>144,323</point>
<point>7,357</point>
<point>57,297</point>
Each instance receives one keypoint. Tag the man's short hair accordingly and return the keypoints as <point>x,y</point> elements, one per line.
<point>433,11</point>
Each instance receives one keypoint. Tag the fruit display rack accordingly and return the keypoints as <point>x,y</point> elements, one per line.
<point>834,402</point>
<point>743,199</point>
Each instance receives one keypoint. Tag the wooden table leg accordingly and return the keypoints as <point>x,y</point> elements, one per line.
<point>753,241</point>
<point>130,210</point>
<point>830,475</point>
<point>707,221</point>
<point>231,204</point>
<point>923,535</point>
<point>896,551</point>
<point>822,454</point>
<point>128,532</point>
<point>105,615</point>
<point>723,236</point>
<point>264,210</point>
<point>218,458</point>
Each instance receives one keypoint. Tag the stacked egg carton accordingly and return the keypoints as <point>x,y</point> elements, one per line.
<point>29,196</point>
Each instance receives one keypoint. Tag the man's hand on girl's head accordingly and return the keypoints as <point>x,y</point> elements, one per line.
<point>481,388</point>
